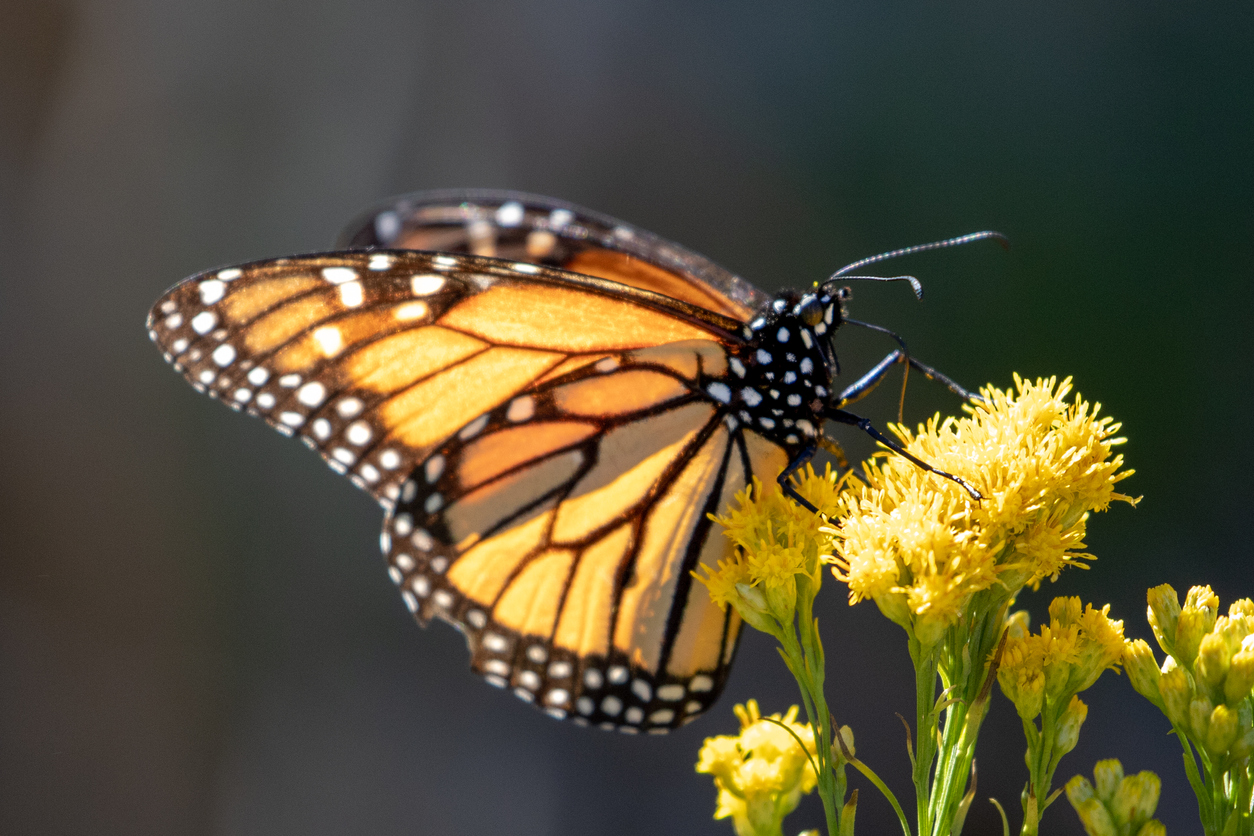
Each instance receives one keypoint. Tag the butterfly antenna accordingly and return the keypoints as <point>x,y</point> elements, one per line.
<point>915,284</point>
<point>969,238</point>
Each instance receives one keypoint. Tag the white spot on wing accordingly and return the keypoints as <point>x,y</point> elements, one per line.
<point>424,284</point>
<point>329,338</point>
<point>700,683</point>
<point>230,274</point>
<point>358,433</point>
<point>521,409</point>
<point>203,322</point>
<point>510,214</point>
<point>339,275</point>
<point>312,393</point>
<point>473,428</point>
<point>212,291</point>
<point>719,392</point>
<point>410,311</point>
<point>224,355</point>
<point>351,294</point>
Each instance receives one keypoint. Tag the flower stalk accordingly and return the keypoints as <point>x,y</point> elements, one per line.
<point>772,581</point>
<point>946,569</point>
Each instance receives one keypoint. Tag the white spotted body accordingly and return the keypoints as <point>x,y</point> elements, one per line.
<point>783,374</point>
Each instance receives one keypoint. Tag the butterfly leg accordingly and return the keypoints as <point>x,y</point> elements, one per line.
<point>785,484</point>
<point>862,387</point>
<point>842,417</point>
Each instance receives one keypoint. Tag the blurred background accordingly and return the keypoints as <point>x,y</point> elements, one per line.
<point>197,634</point>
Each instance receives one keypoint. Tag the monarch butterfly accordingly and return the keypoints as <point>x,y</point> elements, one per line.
<point>548,403</point>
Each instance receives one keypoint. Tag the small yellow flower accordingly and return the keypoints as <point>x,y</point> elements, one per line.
<point>776,541</point>
<point>918,545</point>
<point>761,773</point>
<point>1206,684</point>
<point>1119,804</point>
<point>1067,657</point>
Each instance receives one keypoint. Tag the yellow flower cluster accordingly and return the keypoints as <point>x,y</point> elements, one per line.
<point>1067,657</point>
<point>921,548</point>
<point>761,773</point>
<point>1206,684</point>
<point>1119,805</point>
<point>776,541</point>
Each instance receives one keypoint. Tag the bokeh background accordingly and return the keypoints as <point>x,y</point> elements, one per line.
<point>196,632</point>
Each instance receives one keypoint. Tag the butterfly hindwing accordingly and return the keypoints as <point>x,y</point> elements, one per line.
<point>560,530</point>
<point>543,230</point>
<point>375,358</point>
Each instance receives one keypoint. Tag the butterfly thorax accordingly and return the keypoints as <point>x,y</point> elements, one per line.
<point>785,368</point>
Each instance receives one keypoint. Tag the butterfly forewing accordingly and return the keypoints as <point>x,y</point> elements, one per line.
<point>375,358</point>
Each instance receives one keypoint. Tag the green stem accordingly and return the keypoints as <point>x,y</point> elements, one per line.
<point>801,662</point>
<point>925,732</point>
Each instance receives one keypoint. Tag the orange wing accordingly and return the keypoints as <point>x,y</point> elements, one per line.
<point>559,533</point>
<point>551,445</point>
<point>376,358</point>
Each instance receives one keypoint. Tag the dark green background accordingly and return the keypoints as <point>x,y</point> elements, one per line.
<point>196,631</point>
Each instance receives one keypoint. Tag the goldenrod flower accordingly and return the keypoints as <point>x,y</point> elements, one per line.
<point>761,773</point>
<point>1206,684</point>
<point>1119,804</point>
<point>919,546</point>
<point>1067,657</point>
<point>776,541</point>
<point>1206,689</point>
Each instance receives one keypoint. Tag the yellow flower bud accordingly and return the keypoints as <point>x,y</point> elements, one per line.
<point>1153,827</point>
<point>1197,618</point>
<point>1177,693</point>
<point>1143,672</point>
<point>1119,804</point>
<point>838,754</point>
<point>751,603</point>
<point>1136,799</point>
<point>1198,716</point>
<point>1213,657</point>
<point>1240,680</point>
<point>1018,625</point>
<point>1068,733</point>
<point>1095,818</point>
<point>1164,611</point>
<point>1222,731</point>
<point>1242,607</point>
<point>1107,774</point>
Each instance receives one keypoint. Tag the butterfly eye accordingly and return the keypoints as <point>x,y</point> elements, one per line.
<point>810,311</point>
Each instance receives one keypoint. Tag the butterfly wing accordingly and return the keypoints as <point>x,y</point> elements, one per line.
<point>542,230</point>
<point>549,445</point>
<point>560,531</point>
<point>374,359</point>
